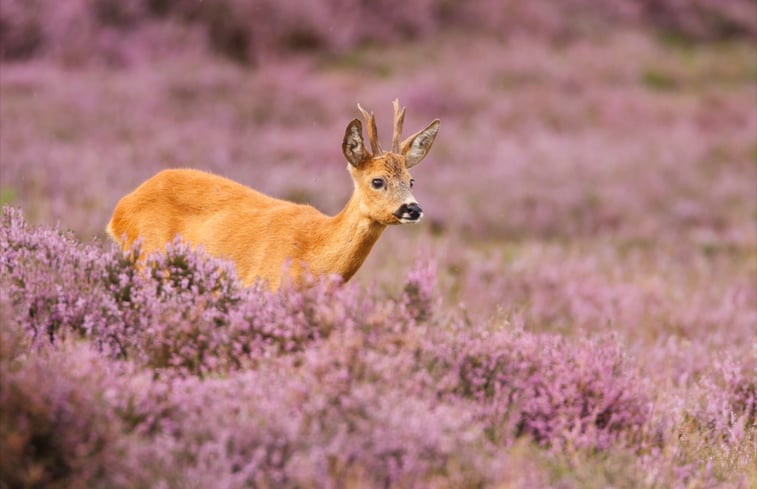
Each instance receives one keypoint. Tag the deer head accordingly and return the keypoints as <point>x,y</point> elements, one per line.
<point>382,182</point>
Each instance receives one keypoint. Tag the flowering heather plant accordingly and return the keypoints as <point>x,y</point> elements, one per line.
<point>730,405</point>
<point>572,291</point>
<point>185,312</point>
<point>581,394</point>
<point>54,283</point>
<point>251,31</point>
<point>418,294</point>
<point>56,428</point>
<point>314,385</point>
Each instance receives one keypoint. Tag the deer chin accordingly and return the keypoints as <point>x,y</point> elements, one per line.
<point>404,220</point>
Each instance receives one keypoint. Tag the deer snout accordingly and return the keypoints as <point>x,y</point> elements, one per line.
<point>409,213</point>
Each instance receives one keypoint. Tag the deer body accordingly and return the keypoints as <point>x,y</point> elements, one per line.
<point>262,235</point>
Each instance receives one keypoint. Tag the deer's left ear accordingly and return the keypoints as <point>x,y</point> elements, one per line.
<point>352,145</point>
<point>416,146</point>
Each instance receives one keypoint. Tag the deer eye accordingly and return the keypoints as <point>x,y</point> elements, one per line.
<point>412,182</point>
<point>378,183</point>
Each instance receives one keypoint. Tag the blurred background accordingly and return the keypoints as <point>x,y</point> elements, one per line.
<point>597,142</point>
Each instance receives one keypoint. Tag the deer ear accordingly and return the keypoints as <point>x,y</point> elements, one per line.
<point>352,146</point>
<point>416,146</point>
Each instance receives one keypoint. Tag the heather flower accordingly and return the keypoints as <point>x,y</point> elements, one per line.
<point>419,296</point>
<point>56,429</point>
<point>172,374</point>
<point>729,399</point>
<point>559,393</point>
<point>249,32</point>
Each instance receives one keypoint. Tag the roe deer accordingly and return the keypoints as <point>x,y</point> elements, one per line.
<point>260,234</point>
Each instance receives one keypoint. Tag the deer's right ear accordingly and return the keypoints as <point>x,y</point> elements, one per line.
<point>416,146</point>
<point>352,146</point>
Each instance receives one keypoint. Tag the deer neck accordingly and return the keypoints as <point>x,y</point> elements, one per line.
<point>348,238</point>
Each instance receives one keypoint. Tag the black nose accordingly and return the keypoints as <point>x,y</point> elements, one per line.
<point>415,211</point>
<point>412,212</point>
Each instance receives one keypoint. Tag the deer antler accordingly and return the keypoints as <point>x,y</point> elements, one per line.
<point>399,119</point>
<point>370,122</point>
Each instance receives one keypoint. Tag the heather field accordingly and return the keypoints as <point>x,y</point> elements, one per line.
<point>578,308</point>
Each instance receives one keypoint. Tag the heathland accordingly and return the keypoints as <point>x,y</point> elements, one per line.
<point>578,308</point>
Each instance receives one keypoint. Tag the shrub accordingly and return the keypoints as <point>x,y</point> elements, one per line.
<point>560,393</point>
<point>126,31</point>
<point>172,374</point>
<point>56,428</point>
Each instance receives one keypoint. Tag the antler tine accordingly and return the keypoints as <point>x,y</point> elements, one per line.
<point>399,119</point>
<point>370,121</point>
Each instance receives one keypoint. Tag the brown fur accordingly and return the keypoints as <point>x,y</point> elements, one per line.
<point>261,234</point>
